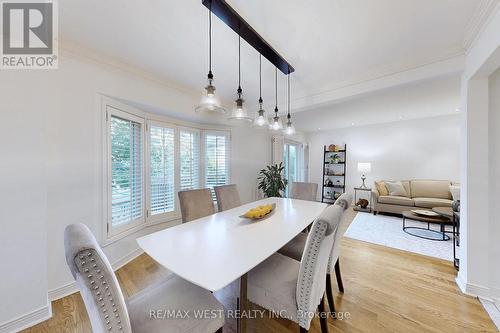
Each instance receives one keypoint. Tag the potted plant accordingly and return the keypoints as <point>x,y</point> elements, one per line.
<point>271,181</point>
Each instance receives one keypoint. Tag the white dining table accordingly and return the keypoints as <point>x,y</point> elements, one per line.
<point>213,251</point>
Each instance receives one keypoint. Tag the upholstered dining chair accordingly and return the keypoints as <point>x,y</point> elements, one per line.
<point>303,191</point>
<point>227,197</point>
<point>110,312</point>
<point>293,289</point>
<point>294,249</point>
<point>196,204</point>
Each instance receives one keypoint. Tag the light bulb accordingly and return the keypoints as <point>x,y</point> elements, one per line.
<point>209,100</point>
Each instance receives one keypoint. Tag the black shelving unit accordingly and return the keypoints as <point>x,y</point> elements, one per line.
<point>334,171</point>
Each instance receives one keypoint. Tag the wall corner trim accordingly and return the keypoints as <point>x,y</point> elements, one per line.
<point>27,320</point>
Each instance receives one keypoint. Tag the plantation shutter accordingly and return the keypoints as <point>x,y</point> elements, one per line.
<point>162,169</point>
<point>126,171</point>
<point>189,141</point>
<point>216,159</point>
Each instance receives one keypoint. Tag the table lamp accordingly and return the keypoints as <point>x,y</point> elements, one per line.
<point>364,168</point>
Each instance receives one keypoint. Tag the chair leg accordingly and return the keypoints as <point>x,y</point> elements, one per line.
<point>339,277</point>
<point>322,316</point>
<point>329,294</point>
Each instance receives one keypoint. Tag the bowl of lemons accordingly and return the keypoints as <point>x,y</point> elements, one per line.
<point>259,212</point>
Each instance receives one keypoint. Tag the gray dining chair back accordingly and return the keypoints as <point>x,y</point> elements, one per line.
<point>227,197</point>
<point>96,281</point>
<point>303,191</point>
<point>314,262</point>
<point>196,204</point>
<point>344,201</point>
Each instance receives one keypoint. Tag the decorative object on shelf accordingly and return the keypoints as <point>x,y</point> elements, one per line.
<point>290,129</point>
<point>271,180</point>
<point>239,112</point>
<point>209,100</point>
<point>364,168</point>
<point>334,172</point>
<point>275,123</point>
<point>335,158</point>
<point>363,203</point>
<point>260,120</point>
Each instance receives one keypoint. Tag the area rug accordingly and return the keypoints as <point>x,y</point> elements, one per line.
<point>388,231</point>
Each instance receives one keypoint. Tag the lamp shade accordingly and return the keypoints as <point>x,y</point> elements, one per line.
<point>364,167</point>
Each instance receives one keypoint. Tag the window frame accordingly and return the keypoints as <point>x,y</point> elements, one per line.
<point>111,234</point>
<point>168,216</point>
<point>123,112</point>
<point>204,133</point>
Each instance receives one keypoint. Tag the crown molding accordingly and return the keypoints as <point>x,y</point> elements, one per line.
<point>75,50</point>
<point>439,68</point>
<point>478,22</point>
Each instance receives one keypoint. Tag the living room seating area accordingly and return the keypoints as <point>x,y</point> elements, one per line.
<point>396,197</point>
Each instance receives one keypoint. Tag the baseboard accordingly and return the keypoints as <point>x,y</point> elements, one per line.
<point>71,287</point>
<point>474,290</point>
<point>27,320</point>
<point>493,310</point>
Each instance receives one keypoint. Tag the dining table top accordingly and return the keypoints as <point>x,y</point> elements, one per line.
<point>215,250</point>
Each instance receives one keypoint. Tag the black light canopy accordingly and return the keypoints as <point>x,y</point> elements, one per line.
<point>233,20</point>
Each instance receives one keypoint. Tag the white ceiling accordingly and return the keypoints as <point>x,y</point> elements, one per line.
<point>331,43</point>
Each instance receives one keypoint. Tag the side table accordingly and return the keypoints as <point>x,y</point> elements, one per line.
<point>368,209</point>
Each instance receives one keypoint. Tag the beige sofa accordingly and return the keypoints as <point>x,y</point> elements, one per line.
<point>419,194</point>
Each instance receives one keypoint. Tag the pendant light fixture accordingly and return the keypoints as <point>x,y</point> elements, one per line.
<point>209,101</point>
<point>260,120</point>
<point>290,129</point>
<point>239,112</point>
<point>276,121</point>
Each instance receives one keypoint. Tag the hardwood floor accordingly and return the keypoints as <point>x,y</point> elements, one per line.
<point>386,290</point>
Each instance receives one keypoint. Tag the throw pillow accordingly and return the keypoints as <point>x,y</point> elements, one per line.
<point>396,189</point>
<point>381,188</point>
<point>455,192</point>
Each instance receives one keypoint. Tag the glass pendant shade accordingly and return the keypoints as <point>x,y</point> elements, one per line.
<point>275,123</point>
<point>290,129</point>
<point>260,120</point>
<point>239,112</point>
<point>209,101</point>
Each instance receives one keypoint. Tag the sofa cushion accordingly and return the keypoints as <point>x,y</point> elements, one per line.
<point>396,189</point>
<point>430,189</point>
<point>432,202</point>
<point>393,200</point>
<point>381,188</point>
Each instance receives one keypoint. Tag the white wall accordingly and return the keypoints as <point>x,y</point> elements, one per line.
<point>479,231</point>
<point>423,148</point>
<point>51,141</point>
<point>23,196</point>
<point>494,177</point>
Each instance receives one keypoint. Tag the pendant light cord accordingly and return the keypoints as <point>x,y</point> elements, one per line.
<point>260,78</point>
<point>288,116</point>
<point>210,75</point>
<point>239,64</point>
<point>276,89</point>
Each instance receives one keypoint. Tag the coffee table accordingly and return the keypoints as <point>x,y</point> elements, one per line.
<point>426,233</point>
<point>455,219</point>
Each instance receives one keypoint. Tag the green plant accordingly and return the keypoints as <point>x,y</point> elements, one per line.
<point>271,181</point>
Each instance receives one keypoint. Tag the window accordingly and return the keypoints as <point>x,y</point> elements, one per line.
<point>292,160</point>
<point>147,161</point>
<point>216,159</point>
<point>162,170</point>
<point>189,141</point>
<point>126,133</point>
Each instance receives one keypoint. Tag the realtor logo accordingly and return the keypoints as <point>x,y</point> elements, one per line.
<point>28,35</point>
